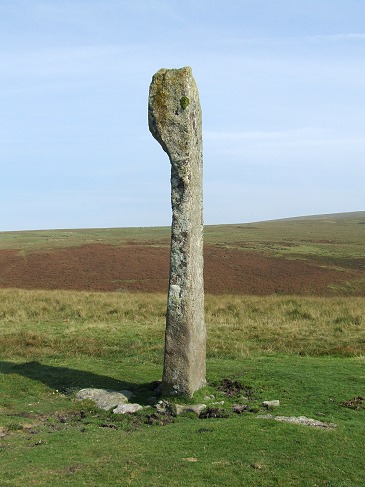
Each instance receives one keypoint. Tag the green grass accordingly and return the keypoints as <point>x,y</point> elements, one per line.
<point>306,352</point>
<point>47,239</point>
<point>332,236</point>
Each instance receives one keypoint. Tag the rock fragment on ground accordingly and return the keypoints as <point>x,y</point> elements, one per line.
<point>189,408</point>
<point>163,407</point>
<point>271,404</point>
<point>298,420</point>
<point>239,408</point>
<point>104,398</point>
<point>127,408</point>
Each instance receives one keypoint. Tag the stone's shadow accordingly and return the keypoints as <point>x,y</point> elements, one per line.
<point>67,380</point>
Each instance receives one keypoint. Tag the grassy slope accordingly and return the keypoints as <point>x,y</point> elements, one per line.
<point>339,235</point>
<point>329,248</point>
<point>327,235</point>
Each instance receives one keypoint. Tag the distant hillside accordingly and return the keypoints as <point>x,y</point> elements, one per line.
<point>314,255</point>
<point>353,215</point>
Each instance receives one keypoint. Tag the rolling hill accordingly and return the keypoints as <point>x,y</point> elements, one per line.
<point>316,255</point>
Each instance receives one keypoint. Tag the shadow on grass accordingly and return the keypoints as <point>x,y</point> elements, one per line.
<point>68,380</point>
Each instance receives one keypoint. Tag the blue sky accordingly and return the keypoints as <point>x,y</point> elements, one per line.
<point>282,89</point>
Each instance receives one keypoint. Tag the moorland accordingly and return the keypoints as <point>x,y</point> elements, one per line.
<point>321,256</point>
<point>285,316</point>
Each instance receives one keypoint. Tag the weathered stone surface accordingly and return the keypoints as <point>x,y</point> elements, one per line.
<point>298,420</point>
<point>175,121</point>
<point>104,398</point>
<point>164,407</point>
<point>271,404</point>
<point>239,408</point>
<point>127,408</point>
<point>189,408</point>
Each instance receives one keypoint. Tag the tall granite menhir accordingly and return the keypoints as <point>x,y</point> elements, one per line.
<point>174,117</point>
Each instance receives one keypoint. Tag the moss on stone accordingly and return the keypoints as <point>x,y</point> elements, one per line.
<point>184,102</point>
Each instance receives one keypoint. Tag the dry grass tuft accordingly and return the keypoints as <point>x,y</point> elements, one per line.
<point>241,325</point>
<point>45,323</point>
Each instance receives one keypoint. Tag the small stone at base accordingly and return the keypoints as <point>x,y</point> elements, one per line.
<point>271,404</point>
<point>127,408</point>
<point>190,408</point>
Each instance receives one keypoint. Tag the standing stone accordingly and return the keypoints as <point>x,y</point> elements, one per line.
<point>174,117</point>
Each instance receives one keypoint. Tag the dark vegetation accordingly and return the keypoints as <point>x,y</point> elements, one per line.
<point>320,256</point>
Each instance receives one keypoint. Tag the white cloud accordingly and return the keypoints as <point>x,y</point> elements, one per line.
<point>286,139</point>
<point>338,37</point>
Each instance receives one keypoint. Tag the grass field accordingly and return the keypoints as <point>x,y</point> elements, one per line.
<point>306,351</point>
